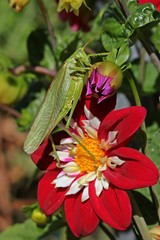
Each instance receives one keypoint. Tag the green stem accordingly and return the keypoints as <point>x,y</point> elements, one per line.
<point>37,69</point>
<point>123,6</point>
<point>132,84</point>
<point>107,230</point>
<point>155,200</point>
<point>149,48</point>
<point>54,149</point>
<point>9,110</point>
<point>135,93</point>
<point>142,66</point>
<point>81,69</point>
<point>97,54</point>
<point>48,23</point>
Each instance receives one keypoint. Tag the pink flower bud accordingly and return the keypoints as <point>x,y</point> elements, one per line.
<point>104,80</point>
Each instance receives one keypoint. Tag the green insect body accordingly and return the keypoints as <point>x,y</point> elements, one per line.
<point>62,97</point>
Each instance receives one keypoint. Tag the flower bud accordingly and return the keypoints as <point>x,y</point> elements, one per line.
<point>104,80</point>
<point>18,5</point>
<point>70,5</point>
<point>39,217</point>
<point>155,233</point>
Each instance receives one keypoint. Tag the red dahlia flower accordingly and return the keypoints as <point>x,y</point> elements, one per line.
<point>154,2</point>
<point>92,169</point>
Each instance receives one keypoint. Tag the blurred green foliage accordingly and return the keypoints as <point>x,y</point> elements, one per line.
<point>16,27</point>
<point>24,39</point>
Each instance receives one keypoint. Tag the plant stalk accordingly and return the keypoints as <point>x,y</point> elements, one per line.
<point>139,220</point>
<point>47,20</point>
<point>135,93</point>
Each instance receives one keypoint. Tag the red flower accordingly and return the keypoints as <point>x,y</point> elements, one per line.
<point>94,169</point>
<point>154,2</point>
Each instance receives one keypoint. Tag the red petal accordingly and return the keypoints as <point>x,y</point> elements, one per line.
<point>81,218</point>
<point>126,121</point>
<point>98,110</point>
<point>137,172</point>
<point>50,198</point>
<point>41,156</point>
<point>112,206</point>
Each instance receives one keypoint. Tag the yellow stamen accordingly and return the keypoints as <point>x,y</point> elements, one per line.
<point>99,175</point>
<point>84,160</point>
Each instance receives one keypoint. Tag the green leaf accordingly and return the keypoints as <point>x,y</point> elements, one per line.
<point>110,41</point>
<point>132,5</point>
<point>152,129</point>
<point>14,30</point>
<point>25,231</point>
<point>156,37</point>
<point>39,49</point>
<point>123,54</point>
<point>29,230</point>
<point>153,150</point>
<point>150,81</point>
<point>147,208</point>
<point>112,55</point>
<point>5,62</point>
<point>29,209</point>
<point>119,56</point>
<point>28,114</point>
<point>66,43</point>
<point>143,15</point>
<point>113,24</point>
<point>153,147</point>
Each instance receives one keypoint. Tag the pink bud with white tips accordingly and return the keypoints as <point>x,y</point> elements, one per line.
<point>104,80</point>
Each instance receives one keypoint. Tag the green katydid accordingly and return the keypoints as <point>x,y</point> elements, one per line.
<point>62,97</point>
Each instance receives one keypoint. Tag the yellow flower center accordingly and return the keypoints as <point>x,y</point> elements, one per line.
<point>89,161</point>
